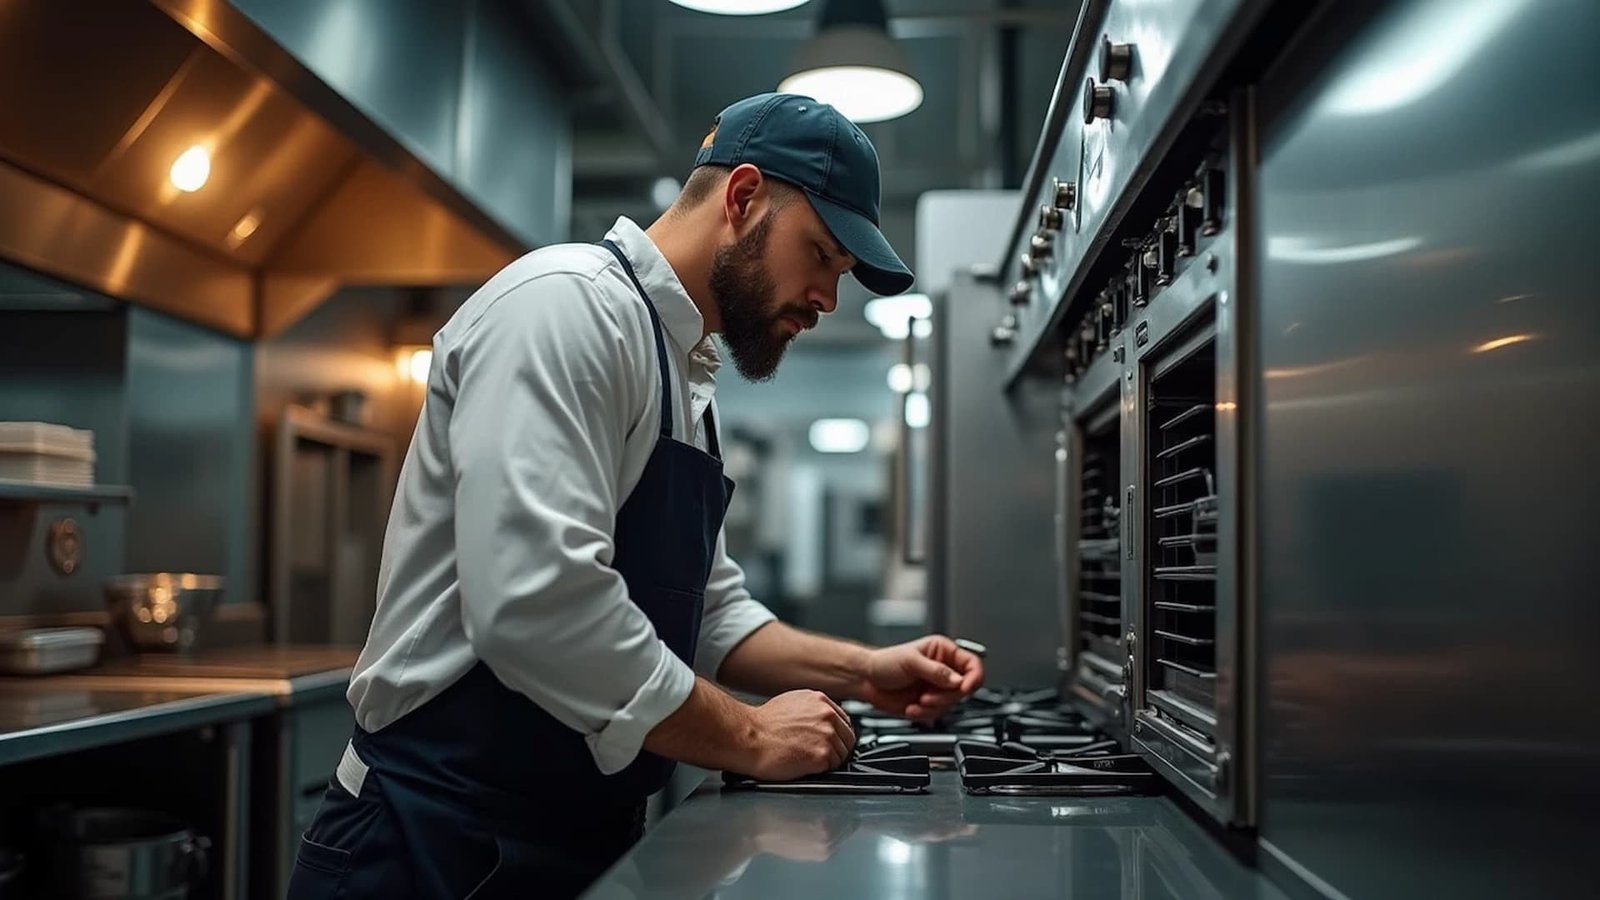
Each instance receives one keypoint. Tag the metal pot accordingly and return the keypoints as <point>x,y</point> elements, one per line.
<point>121,854</point>
<point>163,610</point>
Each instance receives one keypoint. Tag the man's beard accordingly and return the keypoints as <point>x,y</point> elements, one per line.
<point>745,295</point>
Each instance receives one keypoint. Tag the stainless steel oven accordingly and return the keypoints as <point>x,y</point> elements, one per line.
<point>1089,536</point>
<point>1157,628</point>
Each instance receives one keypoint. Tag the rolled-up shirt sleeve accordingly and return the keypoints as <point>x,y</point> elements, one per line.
<point>730,616</point>
<point>546,393</point>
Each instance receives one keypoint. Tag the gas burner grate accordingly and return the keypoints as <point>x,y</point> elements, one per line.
<point>879,769</point>
<point>1018,769</point>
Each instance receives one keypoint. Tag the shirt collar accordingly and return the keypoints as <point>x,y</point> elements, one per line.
<point>679,315</point>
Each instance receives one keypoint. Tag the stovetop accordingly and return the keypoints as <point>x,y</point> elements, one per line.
<point>1000,741</point>
<point>1035,717</point>
<point>881,769</point>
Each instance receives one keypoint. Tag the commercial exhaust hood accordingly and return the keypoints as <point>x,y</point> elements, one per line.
<point>304,193</point>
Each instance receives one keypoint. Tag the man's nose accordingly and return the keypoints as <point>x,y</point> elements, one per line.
<point>825,300</point>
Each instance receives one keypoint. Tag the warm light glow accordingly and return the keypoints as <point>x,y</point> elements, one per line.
<point>413,363</point>
<point>739,7</point>
<point>893,315</point>
<point>191,169</point>
<point>918,411</point>
<point>839,435</point>
<point>860,93</point>
<point>1312,370</point>
<point>1506,341</point>
<point>246,226</point>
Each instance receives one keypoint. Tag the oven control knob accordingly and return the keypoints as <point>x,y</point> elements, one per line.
<point>1116,60</point>
<point>1020,293</point>
<point>1030,266</point>
<point>1066,194</point>
<point>1050,218</point>
<point>1097,102</point>
<point>1004,333</point>
<point>1039,246</point>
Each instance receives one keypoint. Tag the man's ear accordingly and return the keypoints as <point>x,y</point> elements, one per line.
<point>741,196</point>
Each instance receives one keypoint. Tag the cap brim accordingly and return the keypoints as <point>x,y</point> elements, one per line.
<point>877,267</point>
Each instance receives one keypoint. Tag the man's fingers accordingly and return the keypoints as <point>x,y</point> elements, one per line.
<point>934,672</point>
<point>971,668</point>
<point>841,752</point>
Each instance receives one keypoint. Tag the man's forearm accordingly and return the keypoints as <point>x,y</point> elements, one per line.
<point>711,729</point>
<point>778,657</point>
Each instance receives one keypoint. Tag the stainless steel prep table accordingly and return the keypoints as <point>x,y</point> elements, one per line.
<point>52,716</point>
<point>943,844</point>
<point>296,740</point>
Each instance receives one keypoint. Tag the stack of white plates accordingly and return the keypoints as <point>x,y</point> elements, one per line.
<point>42,453</point>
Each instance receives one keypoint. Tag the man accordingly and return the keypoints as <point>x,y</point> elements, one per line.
<point>554,573</point>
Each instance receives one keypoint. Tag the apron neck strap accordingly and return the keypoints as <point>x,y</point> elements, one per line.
<point>661,343</point>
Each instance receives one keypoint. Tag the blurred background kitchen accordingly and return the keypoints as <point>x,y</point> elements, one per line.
<point>227,234</point>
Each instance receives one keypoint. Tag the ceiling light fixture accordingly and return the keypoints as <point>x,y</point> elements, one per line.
<point>191,169</point>
<point>739,7</point>
<point>839,435</point>
<point>893,315</point>
<point>852,64</point>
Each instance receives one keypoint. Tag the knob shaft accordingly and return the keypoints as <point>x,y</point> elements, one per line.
<point>1098,101</point>
<point>1066,194</point>
<point>1039,246</point>
<point>1116,60</point>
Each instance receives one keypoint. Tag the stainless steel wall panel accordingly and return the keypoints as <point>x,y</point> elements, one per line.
<point>995,544</point>
<point>67,368</point>
<point>514,140</point>
<point>400,62</point>
<point>1429,404</point>
<point>190,452</point>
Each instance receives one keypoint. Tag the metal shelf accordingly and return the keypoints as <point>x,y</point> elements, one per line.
<point>27,492</point>
<point>1186,415</point>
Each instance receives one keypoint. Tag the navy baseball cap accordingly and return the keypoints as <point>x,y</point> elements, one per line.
<point>814,147</point>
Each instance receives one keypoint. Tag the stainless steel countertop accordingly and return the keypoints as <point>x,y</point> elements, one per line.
<point>46,717</point>
<point>943,844</point>
<point>291,674</point>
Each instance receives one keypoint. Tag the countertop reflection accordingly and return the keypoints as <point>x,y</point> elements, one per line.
<point>943,844</point>
<point>42,717</point>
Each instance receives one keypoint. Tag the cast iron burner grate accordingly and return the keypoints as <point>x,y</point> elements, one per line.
<point>1018,769</point>
<point>881,769</point>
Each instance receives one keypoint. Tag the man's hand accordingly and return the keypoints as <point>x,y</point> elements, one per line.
<point>798,733</point>
<point>921,679</point>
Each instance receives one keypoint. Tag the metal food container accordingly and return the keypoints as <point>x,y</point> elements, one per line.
<point>41,651</point>
<point>163,610</point>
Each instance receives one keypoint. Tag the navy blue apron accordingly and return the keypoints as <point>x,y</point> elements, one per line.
<point>481,793</point>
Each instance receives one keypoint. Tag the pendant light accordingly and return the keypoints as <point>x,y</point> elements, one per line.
<point>852,64</point>
<point>739,7</point>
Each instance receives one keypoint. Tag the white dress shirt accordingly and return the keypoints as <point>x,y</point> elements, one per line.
<point>543,405</point>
